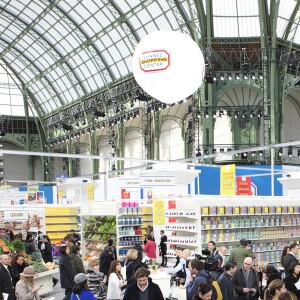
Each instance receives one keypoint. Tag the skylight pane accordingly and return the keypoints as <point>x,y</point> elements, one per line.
<point>249,26</point>
<point>225,27</point>
<point>281,27</point>
<point>285,8</point>
<point>122,68</point>
<point>247,8</point>
<point>224,8</point>
<point>296,38</point>
<point>124,6</point>
<point>136,23</point>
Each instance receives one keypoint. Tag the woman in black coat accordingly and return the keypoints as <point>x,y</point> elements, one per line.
<point>46,249</point>
<point>292,277</point>
<point>18,265</point>
<point>106,257</point>
<point>66,271</point>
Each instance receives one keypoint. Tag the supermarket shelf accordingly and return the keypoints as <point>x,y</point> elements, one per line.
<point>131,225</point>
<point>93,240</point>
<point>261,226</point>
<point>121,236</point>
<point>130,215</point>
<point>182,230</point>
<point>56,223</point>
<point>263,239</point>
<point>256,215</point>
<point>63,216</point>
<point>96,232</point>
<point>185,217</point>
<point>183,244</point>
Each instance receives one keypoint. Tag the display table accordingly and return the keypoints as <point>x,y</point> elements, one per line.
<point>45,279</point>
<point>162,278</point>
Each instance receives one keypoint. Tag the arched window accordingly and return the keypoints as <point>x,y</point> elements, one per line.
<point>133,149</point>
<point>171,144</point>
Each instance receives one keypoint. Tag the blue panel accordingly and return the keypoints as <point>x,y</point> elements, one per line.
<point>48,193</point>
<point>210,180</point>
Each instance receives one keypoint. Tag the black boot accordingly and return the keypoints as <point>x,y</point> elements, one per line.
<point>54,281</point>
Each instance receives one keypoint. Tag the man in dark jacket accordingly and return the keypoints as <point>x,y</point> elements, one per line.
<point>143,288</point>
<point>106,257</point>
<point>225,281</point>
<point>290,257</point>
<point>163,248</point>
<point>6,285</point>
<point>245,282</point>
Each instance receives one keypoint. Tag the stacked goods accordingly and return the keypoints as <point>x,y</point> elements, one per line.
<point>97,231</point>
<point>14,246</point>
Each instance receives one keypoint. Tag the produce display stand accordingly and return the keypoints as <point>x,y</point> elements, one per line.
<point>45,279</point>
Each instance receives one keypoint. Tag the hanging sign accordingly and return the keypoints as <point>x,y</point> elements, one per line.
<point>243,186</point>
<point>227,180</point>
<point>159,212</point>
<point>15,215</point>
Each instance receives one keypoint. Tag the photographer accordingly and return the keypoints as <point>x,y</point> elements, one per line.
<point>241,252</point>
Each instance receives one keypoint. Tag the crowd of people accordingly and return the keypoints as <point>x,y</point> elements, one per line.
<point>216,277</point>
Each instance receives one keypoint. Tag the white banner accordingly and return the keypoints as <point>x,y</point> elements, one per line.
<point>15,215</point>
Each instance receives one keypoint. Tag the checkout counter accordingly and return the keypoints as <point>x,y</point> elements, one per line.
<point>162,278</point>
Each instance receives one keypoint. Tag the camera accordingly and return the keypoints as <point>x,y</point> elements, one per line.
<point>245,242</point>
<point>209,263</point>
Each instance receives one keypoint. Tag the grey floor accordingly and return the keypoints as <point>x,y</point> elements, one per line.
<point>58,293</point>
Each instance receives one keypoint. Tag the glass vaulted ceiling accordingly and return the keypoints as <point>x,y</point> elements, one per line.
<point>64,51</point>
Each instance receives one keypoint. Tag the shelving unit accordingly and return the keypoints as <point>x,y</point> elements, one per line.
<point>15,223</point>
<point>129,226</point>
<point>96,231</point>
<point>263,220</point>
<point>184,228</point>
<point>59,222</point>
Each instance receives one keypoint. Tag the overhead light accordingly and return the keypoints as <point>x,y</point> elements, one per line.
<point>209,78</point>
<point>253,76</point>
<point>221,113</point>
<point>190,109</point>
<point>236,114</point>
<point>260,114</point>
<point>229,114</point>
<point>261,153</point>
<point>198,153</point>
<point>252,113</point>
<point>260,76</point>
<point>245,76</point>
<point>214,114</point>
<point>237,76</point>
<point>206,152</point>
<point>280,151</point>
<point>253,153</point>
<point>214,78</point>
<point>290,151</point>
<point>229,76</point>
<point>66,127</point>
<point>206,114</point>
<point>222,77</point>
<point>98,113</point>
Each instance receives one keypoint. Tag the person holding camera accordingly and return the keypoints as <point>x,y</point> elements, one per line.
<point>239,254</point>
<point>245,283</point>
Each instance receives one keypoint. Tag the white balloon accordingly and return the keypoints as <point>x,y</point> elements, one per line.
<point>168,65</point>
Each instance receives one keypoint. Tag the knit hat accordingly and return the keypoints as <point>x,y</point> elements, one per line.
<point>29,272</point>
<point>80,278</point>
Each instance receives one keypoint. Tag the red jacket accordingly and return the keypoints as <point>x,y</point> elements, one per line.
<point>150,249</point>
